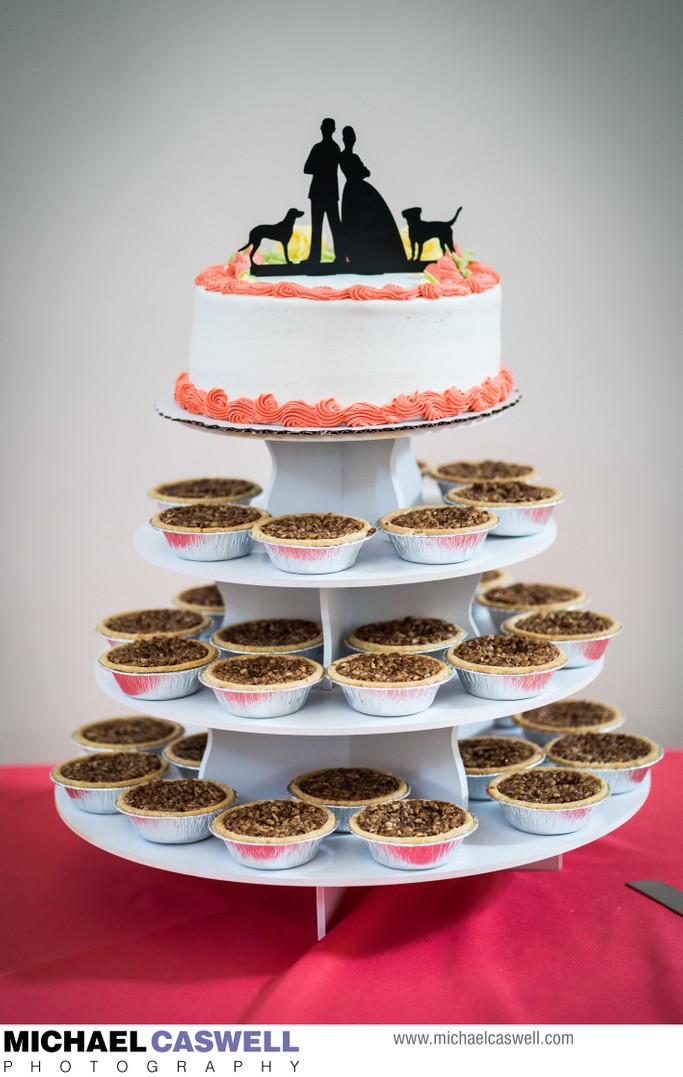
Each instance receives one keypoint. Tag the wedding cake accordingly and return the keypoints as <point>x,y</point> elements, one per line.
<point>373,334</point>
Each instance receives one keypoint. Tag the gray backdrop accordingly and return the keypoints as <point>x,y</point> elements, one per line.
<point>142,139</point>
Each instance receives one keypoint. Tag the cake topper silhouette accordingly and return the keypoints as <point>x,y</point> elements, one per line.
<point>420,232</point>
<point>364,232</point>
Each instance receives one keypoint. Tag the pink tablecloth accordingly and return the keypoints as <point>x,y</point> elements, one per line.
<point>90,938</point>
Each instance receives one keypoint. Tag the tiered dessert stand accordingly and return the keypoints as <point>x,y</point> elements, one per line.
<point>366,474</point>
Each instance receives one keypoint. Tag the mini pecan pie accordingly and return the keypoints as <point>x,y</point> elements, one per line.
<point>505,654</point>
<point>551,788</point>
<point>470,471</point>
<point>179,796</point>
<point>437,520</point>
<point>259,672</point>
<point>109,770</point>
<point>348,786</point>
<point>516,597</point>
<point>116,734</point>
<point>313,529</point>
<point>492,755</point>
<point>274,822</point>
<point>208,518</point>
<point>141,624</point>
<point>158,654</point>
<point>582,634</point>
<point>412,822</point>
<point>207,491</point>
<point>406,635</point>
<point>280,634</point>
<point>180,811</point>
<point>187,751</point>
<point>603,750</point>
<point>388,669</point>
<point>570,716</point>
<point>513,494</point>
<point>493,577</point>
<point>563,625</point>
<point>206,599</point>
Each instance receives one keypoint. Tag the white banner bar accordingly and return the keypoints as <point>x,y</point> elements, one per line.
<point>327,1050</point>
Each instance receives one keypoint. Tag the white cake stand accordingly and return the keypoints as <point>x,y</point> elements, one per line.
<point>365,473</point>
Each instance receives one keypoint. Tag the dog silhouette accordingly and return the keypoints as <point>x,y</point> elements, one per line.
<point>280,232</point>
<point>419,232</point>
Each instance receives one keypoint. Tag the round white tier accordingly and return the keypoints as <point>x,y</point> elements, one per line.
<point>326,714</point>
<point>342,859</point>
<point>378,564</point>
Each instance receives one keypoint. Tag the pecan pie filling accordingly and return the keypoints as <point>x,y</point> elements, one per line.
<point>206,597</point>
<point>207,488</point>
<point>179,795</point>
<point>388,667</point>
<point>279,632</point>
<point>551,786</point>
<point>508,651</point>
<point>406,631</point>
<point>190,748</point>
<point>274,819</point>
<point>263,669</point>
<point>602,748</point>
<point>109,768</point>
<point>504,493</point>
<point>518,595</point>
<point>474,470</point>
<point>339,784</point>
<point>411,818</point>
<point>571,713</point>
<point>312,525</point>
<point>118,731</point>
<point>212,517</point>
<point>159,651</point>
<point>480,753</point>
<point>566,623</point>
<point>441,517</point>
<point>153,621</point>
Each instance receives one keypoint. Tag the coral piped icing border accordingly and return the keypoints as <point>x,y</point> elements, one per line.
<point>265,410</point>
<point>447,280</point>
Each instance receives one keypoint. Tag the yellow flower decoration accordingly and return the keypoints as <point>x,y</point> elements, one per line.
<point>298,247</point>
<point>431,251</point>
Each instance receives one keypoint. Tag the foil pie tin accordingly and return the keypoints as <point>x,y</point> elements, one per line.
<point>97,801</point>
<point>504,686</point>
<point>391,701</point>
<point>428,549</point>
<point>273,855</point>
<point>514,520</point>
<point>260,702</point>
<point>620,779</point>
<point>181,829</point>
<point>173,684</point>
<point>314,560</point>
<point>579,652</point>
<point>208,545</point>
<point>430,853</point>
<point>544,820</point>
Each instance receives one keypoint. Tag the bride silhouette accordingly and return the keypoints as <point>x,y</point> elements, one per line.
<point>371,239</point>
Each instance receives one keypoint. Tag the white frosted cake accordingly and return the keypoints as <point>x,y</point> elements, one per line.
<point>345,350</point>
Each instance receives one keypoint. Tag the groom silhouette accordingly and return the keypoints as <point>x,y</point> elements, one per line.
<point>322,164</point>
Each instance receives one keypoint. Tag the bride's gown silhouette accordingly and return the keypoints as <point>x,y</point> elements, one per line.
<point>371,239</point>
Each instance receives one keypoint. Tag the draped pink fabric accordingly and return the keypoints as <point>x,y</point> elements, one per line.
<point>89,938</point>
